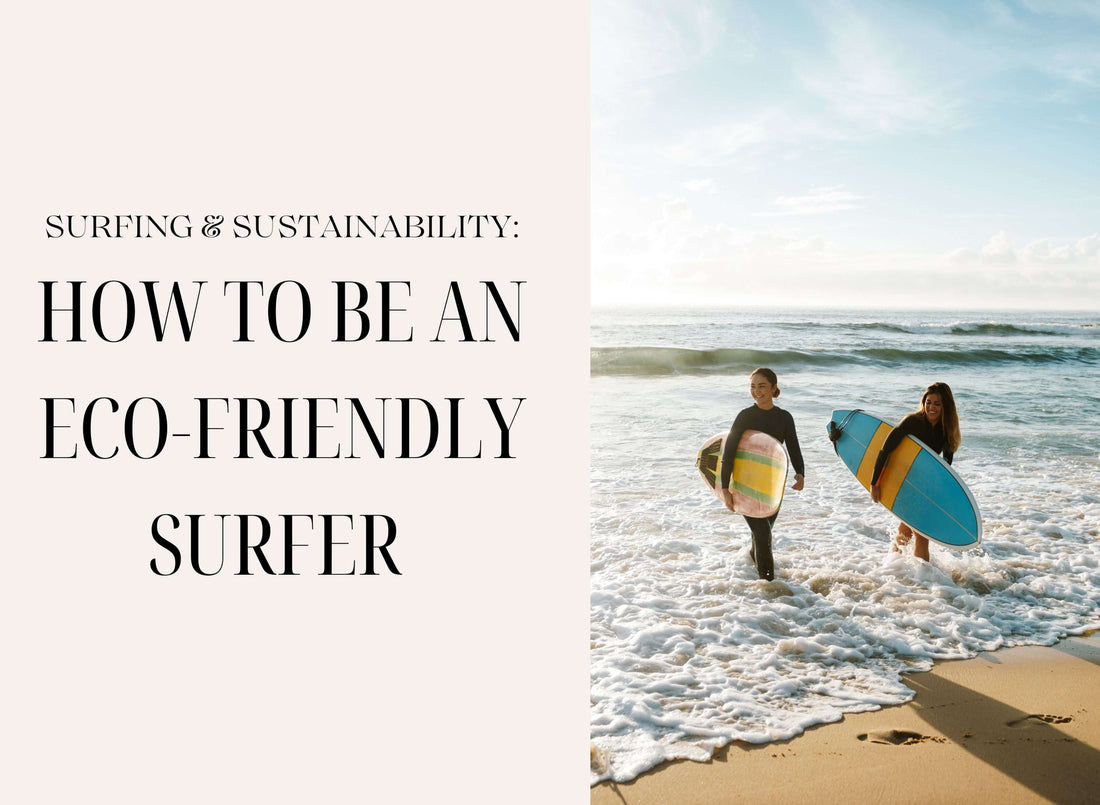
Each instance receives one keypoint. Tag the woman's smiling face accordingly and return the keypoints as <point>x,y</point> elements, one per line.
<point>762,390</point>
<point>933,407</point>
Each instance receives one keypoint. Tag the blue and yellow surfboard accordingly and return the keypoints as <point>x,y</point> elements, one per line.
<point>917,485</point>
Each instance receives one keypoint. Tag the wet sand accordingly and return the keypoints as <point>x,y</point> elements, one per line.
<point>1020,725</point>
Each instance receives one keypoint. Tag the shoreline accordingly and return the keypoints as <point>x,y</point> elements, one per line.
<point>1019,724</point>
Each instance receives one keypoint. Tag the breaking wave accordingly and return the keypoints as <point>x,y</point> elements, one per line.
<point>659,361</point>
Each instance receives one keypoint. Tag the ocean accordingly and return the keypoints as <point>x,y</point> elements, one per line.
<point>690,650</point>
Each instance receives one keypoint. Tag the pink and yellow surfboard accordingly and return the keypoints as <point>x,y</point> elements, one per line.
<point>759,472</point>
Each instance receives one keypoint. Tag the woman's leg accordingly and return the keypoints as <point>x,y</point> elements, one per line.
<point>761,528</point>
<point>901,539</point>
<point>920,544</point>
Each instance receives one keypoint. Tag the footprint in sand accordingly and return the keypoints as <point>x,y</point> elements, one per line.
<point>1031,720</point>
<point>898,737</point>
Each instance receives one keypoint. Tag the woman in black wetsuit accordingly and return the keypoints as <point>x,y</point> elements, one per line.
<point>936,423</point>
<point>763,416</point>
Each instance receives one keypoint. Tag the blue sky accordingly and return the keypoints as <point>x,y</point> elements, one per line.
<point>906,154</point>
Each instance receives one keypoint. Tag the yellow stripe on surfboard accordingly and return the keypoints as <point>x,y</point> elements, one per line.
<point>867,465</point>
<point>758,477</point>
<point>889,483</point>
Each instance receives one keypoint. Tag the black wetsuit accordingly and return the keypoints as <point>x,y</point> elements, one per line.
<point>918,426</point>
<point>778,424</point>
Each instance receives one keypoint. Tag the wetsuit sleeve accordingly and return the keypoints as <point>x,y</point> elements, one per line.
<point>730,449</point>
<point>947,456</point>
<point>892,441</point>
<point>793,449</point>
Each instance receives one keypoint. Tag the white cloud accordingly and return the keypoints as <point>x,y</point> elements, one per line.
<point>962,256</point>
<point>1078,67</point>
<point>701,186</point>
<point>879,80</point>
<point>1049,250</point>
<point>675,211</point>
<point>836,91</point>
<point>1064,8</point>
<point>727,140</point>
<point>870,87</point>
<point>755,140</point>
<point>674,258</point>
<point>999,249</point>
<point>819,201</point>
<point>1001,15</point>
<point>638,43</point>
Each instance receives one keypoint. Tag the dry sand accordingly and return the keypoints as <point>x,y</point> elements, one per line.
<point>1020,725</point>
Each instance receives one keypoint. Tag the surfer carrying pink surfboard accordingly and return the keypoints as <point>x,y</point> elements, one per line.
<point>936,423</point>
<point>765,416</point>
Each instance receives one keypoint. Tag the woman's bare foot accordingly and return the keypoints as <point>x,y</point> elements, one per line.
<point>901,539</point>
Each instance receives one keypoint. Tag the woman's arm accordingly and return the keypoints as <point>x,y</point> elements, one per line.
<point>729,450</point>
<point>795,452</point>
<point>888,447</point>
<point>729,454</point>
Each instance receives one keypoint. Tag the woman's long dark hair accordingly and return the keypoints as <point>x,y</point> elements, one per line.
<point>949,420</point>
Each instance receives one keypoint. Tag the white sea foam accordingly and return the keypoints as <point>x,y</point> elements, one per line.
<point>690,650</point>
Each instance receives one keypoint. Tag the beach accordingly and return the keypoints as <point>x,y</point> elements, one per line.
<point>1019,725</point>
<point>692,652</point>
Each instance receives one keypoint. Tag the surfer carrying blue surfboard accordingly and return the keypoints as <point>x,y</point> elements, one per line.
<point>936,423</point>
<point>764,415</point>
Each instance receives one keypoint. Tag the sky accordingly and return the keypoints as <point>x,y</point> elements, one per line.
<point>846,154</point>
